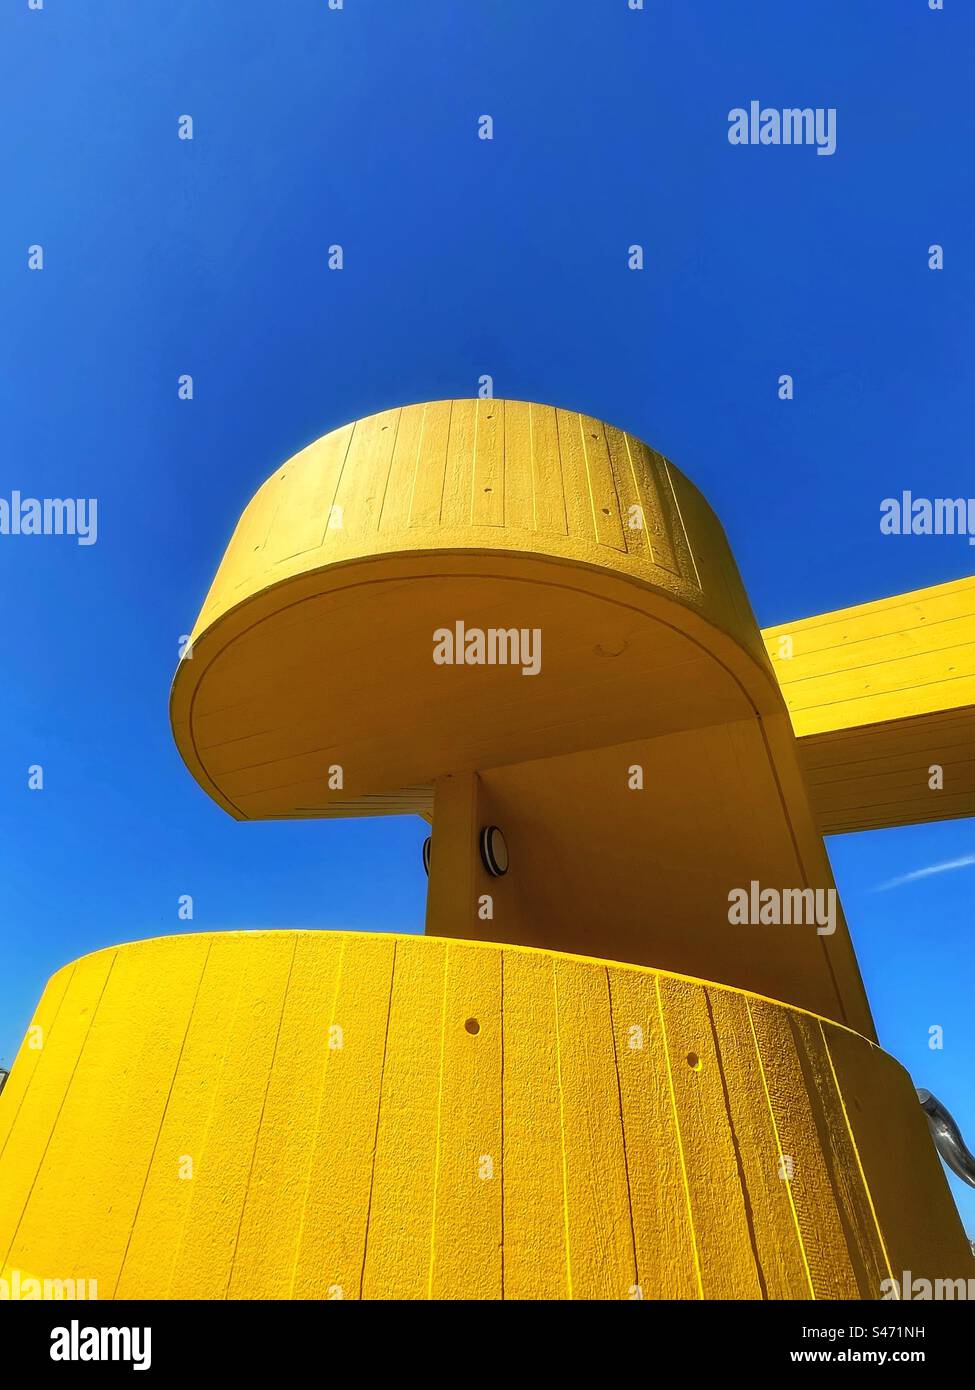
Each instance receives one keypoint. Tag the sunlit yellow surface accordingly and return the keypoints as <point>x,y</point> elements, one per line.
<point>880,696</point>
<point>584,1081</point>
<point>384,1116</point>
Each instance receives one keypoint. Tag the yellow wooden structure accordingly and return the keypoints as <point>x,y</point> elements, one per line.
<point>586,1080</point>
<point>881,695</point>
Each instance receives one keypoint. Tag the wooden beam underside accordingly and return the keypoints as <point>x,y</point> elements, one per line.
<point>881,696</point>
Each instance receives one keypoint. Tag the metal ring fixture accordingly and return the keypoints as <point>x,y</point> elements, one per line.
<point>494,851</point>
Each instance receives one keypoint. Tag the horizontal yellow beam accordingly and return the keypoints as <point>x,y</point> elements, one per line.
<point>882,700</point>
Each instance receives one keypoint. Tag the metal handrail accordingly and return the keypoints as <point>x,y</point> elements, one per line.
<point>947,1138</point>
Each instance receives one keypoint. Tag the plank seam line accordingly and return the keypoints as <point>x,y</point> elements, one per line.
<point>50,1030</point>
<point>736,1146</point>
<point>501,1003</point>
<point>619,1095</point>
<point>313,1147</point>
<point>162,1120</point>
<point>436,1162</point>
<point>260,1122</point>
<point>416,464</point>
<point>565,1166</point>
<point>218,1074</point>
<point>680,1141</point>
<point>379,1111</point>
<point>340,474</point>
<point>778,1149</point>
<point>389,472</point>
<point>54,1125</point>
<point>856,1154</point>
<point>897,691</point>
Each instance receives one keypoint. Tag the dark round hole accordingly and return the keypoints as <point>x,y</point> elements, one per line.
<point>472,1026</point>
<point>693,1061</point>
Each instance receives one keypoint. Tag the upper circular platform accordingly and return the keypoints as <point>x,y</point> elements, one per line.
<point>315,647</point>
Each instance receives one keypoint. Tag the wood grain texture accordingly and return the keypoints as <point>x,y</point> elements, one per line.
<point>407,1117</point>
<point>499,513</point>
<point>879,696</point>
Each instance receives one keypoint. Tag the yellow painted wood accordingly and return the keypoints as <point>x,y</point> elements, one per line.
<point>271,1220</point>
<point>535,1245</point>
<point>615,1171</point>
<point>330,1255</point>
<point>211,1223</point>
<point>466,1248</point>
<point>38,1030</point>
<point>401,1215</point>
<point>803,1145</point>
<point>315,657</point>
<point>599,1229</point>
<point>719,1201</point>
<point>772,1222</point>
<point>502,1109</point>
<point>30,1126</point>
<point>864,1237</point>
<point>667,1265</point>
<point>355,551</point>
<point>879,694</point>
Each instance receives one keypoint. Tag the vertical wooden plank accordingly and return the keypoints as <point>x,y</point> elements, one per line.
<point>725,1238</point>
<point>205,1260</point>
<point>329,1261</point>
<point>31,1050</point>
<point>273,1205</point>
<point>773,1218</point>
<point>671,486</point>
<point>575,477</point>
<point>519,501</point>
<point>150,1266</point>
<point>394,513</point>
<point>636,524</point>
<point>547,482</point>
<point>362,485</point>
<point>41,1109</point>
<point>602,484</point>
<point>600,1234</point>
<point>465,1259</point>
<point>920,1227</point>
<point>459,478</point>
<point>856,1211</point>
<point>431,465</point>
<point>250,537</point>
<point>487,497</point>
<point>535,1252</point>
<point>301,519</point>
<point>666,1257</point>
<point>657,506</point>
<point>798,1127</point>
<point>128,1093</point>
<point>398,1240</point>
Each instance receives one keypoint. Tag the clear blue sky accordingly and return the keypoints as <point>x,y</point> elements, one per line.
<point>462,257</point>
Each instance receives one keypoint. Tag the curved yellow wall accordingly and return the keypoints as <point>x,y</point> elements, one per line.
<point>312,691</point>
<point>494,475</point>
<point>316,633</point>
<point>488,1122</point>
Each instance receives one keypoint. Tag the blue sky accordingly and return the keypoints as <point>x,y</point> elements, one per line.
<point>462,257</point>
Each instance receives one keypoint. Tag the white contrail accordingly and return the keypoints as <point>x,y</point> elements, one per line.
<point>964,863</point>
